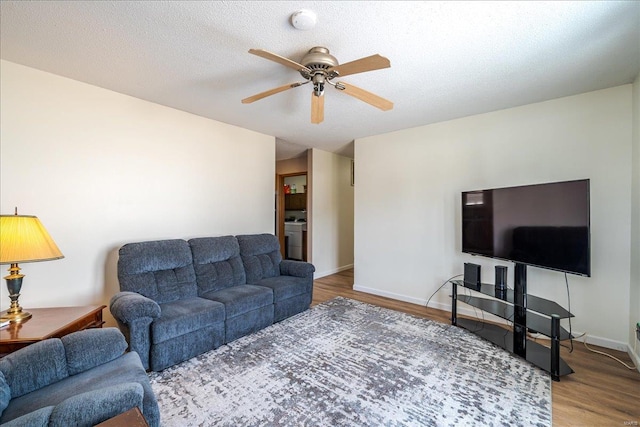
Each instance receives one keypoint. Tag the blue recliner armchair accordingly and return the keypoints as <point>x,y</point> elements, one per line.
<point>79,380</point>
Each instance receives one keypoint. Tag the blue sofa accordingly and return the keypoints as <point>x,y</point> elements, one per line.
<point>179,299</point>
<point>81,379</point>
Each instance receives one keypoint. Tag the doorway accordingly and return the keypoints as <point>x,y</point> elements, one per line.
<point>292,214</point>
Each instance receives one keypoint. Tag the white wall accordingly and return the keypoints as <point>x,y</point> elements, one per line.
<point>331,212</point>
<point>634,301</point>
<point>287,166</point>
<point>407,203</point>
<point>101,169</point>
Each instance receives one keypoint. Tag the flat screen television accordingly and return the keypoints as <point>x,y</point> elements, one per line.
<point>542,225</point>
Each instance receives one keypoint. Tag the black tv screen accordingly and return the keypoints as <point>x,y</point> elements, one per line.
<point>543,225</point>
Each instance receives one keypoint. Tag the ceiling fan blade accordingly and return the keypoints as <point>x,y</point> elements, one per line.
<point>270,92</point>
<point>317,108</point>
<point>365,96</point>
<point>370,63</point>
<point>279,59</point>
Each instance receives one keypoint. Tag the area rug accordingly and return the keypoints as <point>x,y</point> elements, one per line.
<point>347,363</point>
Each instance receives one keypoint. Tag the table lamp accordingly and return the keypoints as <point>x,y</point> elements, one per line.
<point>23,238</point>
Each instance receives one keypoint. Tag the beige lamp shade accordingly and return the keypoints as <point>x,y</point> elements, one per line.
<point>23,238</point>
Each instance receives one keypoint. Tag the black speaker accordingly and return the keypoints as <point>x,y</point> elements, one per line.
<point>472,276</point>
<point>501,281</point>
<point>501,277</point>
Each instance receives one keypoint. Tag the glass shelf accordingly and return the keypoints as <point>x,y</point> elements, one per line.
<point>537,354</point>
<point>535,322</point>
<point>537,304</point>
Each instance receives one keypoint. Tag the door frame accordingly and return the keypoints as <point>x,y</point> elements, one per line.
<point>280,204</point>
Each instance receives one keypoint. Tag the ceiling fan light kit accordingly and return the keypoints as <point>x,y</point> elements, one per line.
<point>318,66</point>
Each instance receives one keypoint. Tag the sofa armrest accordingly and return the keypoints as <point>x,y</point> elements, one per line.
<point>93,407</point>
<point>92,347</point>
<point>134,314</point>
<point>296,268</point>
<point>129,306</point>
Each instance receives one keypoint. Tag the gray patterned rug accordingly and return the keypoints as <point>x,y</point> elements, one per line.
<point>346,363</point>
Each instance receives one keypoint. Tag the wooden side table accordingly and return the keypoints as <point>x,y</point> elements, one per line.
<point>131,418</point>
<point>54,322</point>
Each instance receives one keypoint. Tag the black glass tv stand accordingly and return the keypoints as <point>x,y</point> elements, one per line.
<point>528,313</point>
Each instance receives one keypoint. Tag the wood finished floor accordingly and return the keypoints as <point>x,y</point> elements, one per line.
<point>601,392</point>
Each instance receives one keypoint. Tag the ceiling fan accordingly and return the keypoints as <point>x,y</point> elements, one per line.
<point>319,67</point>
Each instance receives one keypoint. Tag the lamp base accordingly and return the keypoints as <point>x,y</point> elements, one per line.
<point>14,317</point>
<point>14,283</point>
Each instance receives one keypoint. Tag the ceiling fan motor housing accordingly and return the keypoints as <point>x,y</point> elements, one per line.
<point>318,60</point>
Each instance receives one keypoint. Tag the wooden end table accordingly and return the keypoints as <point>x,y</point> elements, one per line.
<point>54,322</point>
<point>131,418</point>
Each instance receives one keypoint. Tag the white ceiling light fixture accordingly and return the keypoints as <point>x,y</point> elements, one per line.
<point>304,19</point>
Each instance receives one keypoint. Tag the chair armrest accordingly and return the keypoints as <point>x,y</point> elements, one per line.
<point>93,407</point>
<point>128,306</point>
<point>39,417</point>
<point>296,268</point>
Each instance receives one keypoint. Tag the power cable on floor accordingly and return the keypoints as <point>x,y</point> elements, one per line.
<point>584,341</point>
<point>441,286</point>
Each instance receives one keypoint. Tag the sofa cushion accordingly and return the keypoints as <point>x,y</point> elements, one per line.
<point>161,270</point>
<point>217,263</point>
<point>285,287</point>
<point>5,393</point>
<point>34,367</point>
<point>260,255</point>
<point>184,316</point>
<point>89,348</point>
<point>242,298</point>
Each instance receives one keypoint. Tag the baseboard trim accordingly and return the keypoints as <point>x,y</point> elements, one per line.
<point>317,275</point>
<point>399,297</point>
<point>467,311</point>
<point>432,304</point>
<point>603,342</point>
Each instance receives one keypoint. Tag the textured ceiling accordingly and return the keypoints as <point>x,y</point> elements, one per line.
<point>448,59</point>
